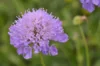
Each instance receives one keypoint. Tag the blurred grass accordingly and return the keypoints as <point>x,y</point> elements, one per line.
<point>66,10</point>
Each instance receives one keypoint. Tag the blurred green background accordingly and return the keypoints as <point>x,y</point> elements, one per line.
<point>71,53</point>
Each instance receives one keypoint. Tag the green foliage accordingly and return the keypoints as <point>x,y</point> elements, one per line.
<point>66,10</point>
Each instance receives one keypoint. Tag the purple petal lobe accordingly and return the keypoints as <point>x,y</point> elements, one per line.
<point>27,52</point>
<point>53,50</point>
<point>36,48</point>
<point>96,2</point>
<point>62,38</point>
<point>88,6</point>
<point>20,50</point>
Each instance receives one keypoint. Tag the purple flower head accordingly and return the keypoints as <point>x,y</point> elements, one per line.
<point>33,32</point>
<point>90,4</point>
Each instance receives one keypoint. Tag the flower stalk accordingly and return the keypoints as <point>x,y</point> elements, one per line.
<point>41,59</point>
<point>85,46</point>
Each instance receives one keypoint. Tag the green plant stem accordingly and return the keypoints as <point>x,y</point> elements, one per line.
<point>79,59</point>
<point>42,61</point>
<point>86,46</point>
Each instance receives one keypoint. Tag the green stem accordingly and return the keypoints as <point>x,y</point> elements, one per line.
<point>42,61</point>
<point>79,56</point>
<point>85,45</point>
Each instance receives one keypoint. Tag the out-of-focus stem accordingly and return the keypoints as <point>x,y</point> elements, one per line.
<point>86,47</point>
<point>79,56</point>
<point>42,61</point>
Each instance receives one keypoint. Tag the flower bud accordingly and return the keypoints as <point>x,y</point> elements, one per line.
<point>79,20</point>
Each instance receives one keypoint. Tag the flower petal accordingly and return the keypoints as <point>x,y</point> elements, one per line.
<point>27,52</point>
<point>96,2</point>
<point>53,50</point>
<point>88,6</point>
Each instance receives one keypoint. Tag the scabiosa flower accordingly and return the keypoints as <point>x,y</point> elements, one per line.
<point>33,32</point>
<point>90,4</point>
